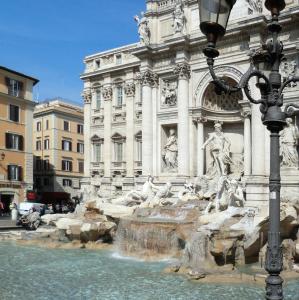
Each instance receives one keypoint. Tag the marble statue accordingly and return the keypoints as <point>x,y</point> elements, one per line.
<point>220,152</point>
<point>256,5</point>
<point>179,18</point>
<point>288,147</point>
<point>160,197</point>
<point>188,193</point>
<point>169,95</point>
<point>143,29</point>
<point>170,151</point>
<point>134,197</point>
<point>229,194</point>
<point>289,69</point>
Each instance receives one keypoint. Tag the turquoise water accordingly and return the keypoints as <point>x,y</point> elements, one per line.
<point>41,274</point>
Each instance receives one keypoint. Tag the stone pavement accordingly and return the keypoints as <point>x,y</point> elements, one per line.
<point>6,223</point>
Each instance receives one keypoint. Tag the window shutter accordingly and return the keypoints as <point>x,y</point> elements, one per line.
<point>21,84</point>
<point>70,143</point>
<point>7,81</point>
<point>78,146</point>
<point>71,166</point>
<point>21,143</point>
<point>20,174</point>
<point>8,140</point>
<point>63,165</point>
<point>9,172</point>
<point>62,145</point>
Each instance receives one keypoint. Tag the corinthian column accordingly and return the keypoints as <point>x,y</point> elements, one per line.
<point>148,79</point>
<point>130,93</point>
<point>200,142</point>
<point>107,96</point>
<point>87,96</point>
<point>182,70</point>
<point>247,143</point>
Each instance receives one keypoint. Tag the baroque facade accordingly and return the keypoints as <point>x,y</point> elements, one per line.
<point>149,107</point>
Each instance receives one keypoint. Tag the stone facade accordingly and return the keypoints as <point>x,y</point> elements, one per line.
<point>141,97</point>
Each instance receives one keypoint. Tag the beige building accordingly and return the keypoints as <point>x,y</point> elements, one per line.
<point>58,143</point>
<point>16,116</point>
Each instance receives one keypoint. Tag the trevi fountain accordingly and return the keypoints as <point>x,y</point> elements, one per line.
<point>185,213</point>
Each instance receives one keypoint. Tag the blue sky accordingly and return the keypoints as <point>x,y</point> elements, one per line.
<point>49,39</point>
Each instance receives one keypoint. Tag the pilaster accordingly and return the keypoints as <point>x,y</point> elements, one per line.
<point>182,71</point>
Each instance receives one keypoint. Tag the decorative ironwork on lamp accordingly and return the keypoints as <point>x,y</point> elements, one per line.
<point>264,66</point>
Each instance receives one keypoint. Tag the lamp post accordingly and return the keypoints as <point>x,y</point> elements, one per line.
<point>265,62</point>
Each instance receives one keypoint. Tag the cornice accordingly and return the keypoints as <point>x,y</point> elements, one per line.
<point>18,99</point>
<point>113,69</point>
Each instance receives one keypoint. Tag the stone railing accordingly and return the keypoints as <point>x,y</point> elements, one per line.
<point>118,168</point>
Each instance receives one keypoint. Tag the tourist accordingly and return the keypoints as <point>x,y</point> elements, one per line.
<point>1,208</point>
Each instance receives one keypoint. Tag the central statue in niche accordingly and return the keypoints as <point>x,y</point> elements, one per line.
<point>220,152</point>
<point>170,151</point>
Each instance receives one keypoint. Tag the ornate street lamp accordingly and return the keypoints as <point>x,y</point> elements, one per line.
<point>265,62</point>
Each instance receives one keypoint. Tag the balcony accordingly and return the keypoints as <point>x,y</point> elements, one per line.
<point>137,168</point>
<point>97,168</point>
<point>118,168</point>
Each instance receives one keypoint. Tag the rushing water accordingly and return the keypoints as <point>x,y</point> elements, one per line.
<point>33,273</point>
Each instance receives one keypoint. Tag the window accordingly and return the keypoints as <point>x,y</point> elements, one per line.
<point>46,181</point>
<point>38,145</point>
<point>47,124</point>
<point>38,126</point>
<point>97,153</point>
<point>138,138</point>
<point>46,165</point>
<point>81,166</point>
<point>67,165</point>
<point>98,64</point>
<point>139,150</point>
<point>38,164</point>
<point>118,151</point>
<point>14,141</point>
<point>98,99</point>
<point>14,172</point>
<point>80,147</point>
<point>67,182</point>
<point>119,95</point>
<point>47,144</point>
<point>14,113</point>
<point>14,87</point>
<point>80,128</point>
<point>37,181</point>
<point>66,126</point>
<point>118,59</point>
<point>66,145</point>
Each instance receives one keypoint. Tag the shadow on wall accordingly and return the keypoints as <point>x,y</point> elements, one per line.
<point>47,181</point>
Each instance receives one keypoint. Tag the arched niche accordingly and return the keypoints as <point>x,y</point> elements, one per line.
<point>224,102</point>
<point>232,74</point>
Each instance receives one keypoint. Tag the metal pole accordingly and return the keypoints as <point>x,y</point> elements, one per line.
<point>274,258</point>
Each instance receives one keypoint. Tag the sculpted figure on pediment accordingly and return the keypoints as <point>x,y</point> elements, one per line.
<point>256,5</point>
<point>179,18</point>
<point>143,29</point>
<point>288,147</point>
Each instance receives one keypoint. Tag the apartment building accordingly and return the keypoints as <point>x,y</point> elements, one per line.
<point>16,117</point>
<point>58,143</point>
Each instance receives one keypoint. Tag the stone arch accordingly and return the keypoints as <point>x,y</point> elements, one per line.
<point>224,102</point>
<point>222,71</point>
